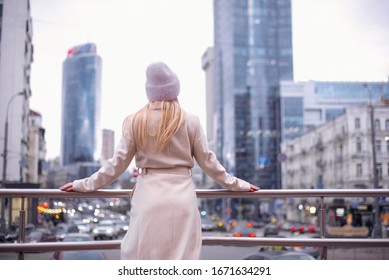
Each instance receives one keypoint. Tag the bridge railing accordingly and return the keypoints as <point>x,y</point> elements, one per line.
<point>20,247</point>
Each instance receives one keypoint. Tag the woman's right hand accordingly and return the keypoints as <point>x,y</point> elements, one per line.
<point>254,188</point>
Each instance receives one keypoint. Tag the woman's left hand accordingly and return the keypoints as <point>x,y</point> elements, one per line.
<point>68,187</point>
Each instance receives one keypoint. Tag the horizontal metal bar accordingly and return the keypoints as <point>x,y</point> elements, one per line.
<point>206,241</point>
<point>59,246</point>
<point>203,193</point>
<point>321,242</point>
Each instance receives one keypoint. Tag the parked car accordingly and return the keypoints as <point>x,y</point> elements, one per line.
<point>40,235</point>
<point>106,229</point>
<point>79,255</point>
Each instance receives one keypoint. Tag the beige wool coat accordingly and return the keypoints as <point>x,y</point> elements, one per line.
<point>164,217</point>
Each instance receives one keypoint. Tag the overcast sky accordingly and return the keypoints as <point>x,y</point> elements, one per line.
<point>334,40</point>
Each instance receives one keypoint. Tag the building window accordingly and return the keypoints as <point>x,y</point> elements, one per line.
<point>378,145</point>
<point>359,145</point>
<point>359,169</point>
<point>357,123</point>
<point>377,124</point>
<point>387,146</point>
<point>387,124</point>
<point>379,171</point>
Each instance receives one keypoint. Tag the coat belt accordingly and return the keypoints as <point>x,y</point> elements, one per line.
<point>168,170</point>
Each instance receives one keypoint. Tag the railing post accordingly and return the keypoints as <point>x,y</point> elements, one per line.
<point>22,227</point>
<point>323,253</point>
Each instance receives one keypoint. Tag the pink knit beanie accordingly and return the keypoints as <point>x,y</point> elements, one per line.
<point>162,83</point>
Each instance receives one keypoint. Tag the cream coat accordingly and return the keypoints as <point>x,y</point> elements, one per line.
<point>164,219</point>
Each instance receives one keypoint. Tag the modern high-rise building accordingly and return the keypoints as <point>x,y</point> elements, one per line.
<point>81,94</point>
<point>252,53</point>
<point>16,57</point>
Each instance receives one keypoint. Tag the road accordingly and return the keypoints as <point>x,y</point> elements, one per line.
<point>236,253</point>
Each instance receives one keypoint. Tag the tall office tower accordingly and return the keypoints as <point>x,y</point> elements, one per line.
<point>81,91</point>
<point>16,56</point>
<point>252,54</point>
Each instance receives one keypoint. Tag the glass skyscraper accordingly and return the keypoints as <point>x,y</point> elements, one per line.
<point>81,92</point>
<point>252,53</point>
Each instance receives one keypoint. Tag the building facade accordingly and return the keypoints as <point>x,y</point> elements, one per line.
<point>81,94</point>
<point>252,53</point>
<point>37,165</point>
<point>108,145</point>
<point>305,105</point>
<point>339,155</point>
<point>16,57</point>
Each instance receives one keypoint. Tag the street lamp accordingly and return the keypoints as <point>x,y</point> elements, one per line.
<point>2,224</point>
<point>377,224</point>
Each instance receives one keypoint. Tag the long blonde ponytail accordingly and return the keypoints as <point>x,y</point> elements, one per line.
<point>172,116</point>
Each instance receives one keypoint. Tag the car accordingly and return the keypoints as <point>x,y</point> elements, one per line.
<point>122,226</point>
<point>83,227</point>
<point>13,236</point>
<point>41,235</point>
<point>298,227</point>
<point>314,251</point>
<point>207,224</point>
<point>79,255</point>
<point>279,255</point>
<point>76,237</point>
<point>2,237</point>
<point>271,230</point>
<point>294,256</point>
<point>62,229</point>
<point>259,256</point>
<point>313,228</point>
<point>244,230</point>
<point>105,229</point>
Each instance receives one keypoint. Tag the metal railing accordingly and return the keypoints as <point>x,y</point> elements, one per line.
<point>323,242</point>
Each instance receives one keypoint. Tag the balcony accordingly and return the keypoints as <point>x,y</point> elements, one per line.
<point>324,242</point>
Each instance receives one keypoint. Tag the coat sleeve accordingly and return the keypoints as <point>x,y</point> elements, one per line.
<point>111,170</point>
<point>211,166</point>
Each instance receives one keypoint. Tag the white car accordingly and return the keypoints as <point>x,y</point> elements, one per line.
<point>105,229</point>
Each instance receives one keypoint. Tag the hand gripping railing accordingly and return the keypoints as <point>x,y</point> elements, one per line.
<point>323,242</point>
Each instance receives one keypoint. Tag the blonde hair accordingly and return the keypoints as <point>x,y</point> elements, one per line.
<point>170,121</point>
